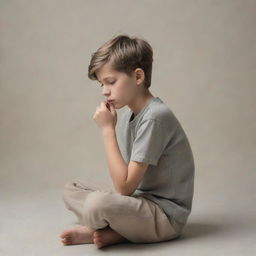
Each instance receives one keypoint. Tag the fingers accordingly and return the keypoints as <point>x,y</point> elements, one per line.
<point>104,105</point>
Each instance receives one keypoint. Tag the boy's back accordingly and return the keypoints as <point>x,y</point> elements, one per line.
<point>155,136</point>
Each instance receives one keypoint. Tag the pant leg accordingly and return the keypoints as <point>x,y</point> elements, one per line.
<point>74,195</point>
<point>136,218</point>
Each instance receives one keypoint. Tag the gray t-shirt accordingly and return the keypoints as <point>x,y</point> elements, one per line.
<point>155,136</point>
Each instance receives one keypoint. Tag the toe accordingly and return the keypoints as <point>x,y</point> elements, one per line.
<point>96,234</point>
<point>98,244</point>
<point>66,240</point>
<point>63,234</point>
<point>96,240</point>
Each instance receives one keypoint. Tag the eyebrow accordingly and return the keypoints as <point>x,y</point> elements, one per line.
<point>106,78</point>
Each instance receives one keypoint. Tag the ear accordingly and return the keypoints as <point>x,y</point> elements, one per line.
<point>139,75</point>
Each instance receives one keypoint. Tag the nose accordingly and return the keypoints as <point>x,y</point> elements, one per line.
<point>105,92</point>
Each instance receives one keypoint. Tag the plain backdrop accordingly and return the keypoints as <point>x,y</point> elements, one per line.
<point>203,69</point>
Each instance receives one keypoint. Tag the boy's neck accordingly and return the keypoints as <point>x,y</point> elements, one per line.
<point>139,103</point>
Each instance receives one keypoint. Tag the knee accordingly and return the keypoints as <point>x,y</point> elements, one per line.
<point>68,189</point>
<point>98,202</point>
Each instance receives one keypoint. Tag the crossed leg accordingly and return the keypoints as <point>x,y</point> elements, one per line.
<point>107,217</point>
<point>83,234</point>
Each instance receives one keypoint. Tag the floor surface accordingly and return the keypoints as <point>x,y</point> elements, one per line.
<point>32,219</point>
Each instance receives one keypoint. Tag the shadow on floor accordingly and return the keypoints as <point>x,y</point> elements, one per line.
<point>190,231</point>
<point>196,230</point>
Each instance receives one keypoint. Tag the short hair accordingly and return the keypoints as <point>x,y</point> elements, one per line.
<point>124,54</point>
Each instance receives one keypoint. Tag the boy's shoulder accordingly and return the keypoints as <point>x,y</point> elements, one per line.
<point>160,112</point>
<point>157,110</point>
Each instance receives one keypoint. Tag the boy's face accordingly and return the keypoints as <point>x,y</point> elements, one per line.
<point>118,86</point>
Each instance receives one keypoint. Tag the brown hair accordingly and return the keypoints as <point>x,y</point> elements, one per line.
<point>125,54</point>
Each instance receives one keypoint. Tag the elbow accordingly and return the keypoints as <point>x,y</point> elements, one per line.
<point>125,190</point>
<point>125,193</point>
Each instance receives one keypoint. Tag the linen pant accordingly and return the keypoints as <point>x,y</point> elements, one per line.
<point>137,219</point>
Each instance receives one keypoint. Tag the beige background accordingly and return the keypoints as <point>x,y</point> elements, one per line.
<point>203,69</point>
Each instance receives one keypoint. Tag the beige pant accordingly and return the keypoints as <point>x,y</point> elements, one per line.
<point>136,218</point>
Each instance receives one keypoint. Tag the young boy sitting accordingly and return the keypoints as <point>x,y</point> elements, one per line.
<point>153,177</point>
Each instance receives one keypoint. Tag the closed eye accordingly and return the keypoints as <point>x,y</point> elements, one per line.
<point>110,83</point>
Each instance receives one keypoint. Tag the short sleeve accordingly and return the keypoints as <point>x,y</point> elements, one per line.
<point>150,141</point>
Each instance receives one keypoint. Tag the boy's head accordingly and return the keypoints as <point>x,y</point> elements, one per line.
<point>128,64</point>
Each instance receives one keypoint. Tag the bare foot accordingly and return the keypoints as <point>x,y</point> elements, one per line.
<point>107,236</point>
<point>77,235</point>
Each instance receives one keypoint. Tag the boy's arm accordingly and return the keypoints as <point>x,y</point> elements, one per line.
<point>125,178</point>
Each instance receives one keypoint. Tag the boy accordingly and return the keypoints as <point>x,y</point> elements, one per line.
<point>153,177</point>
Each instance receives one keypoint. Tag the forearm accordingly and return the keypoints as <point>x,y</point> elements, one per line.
<point>117,167</point>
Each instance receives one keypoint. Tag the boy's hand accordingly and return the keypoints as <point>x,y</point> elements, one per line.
<point>105,115</point>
